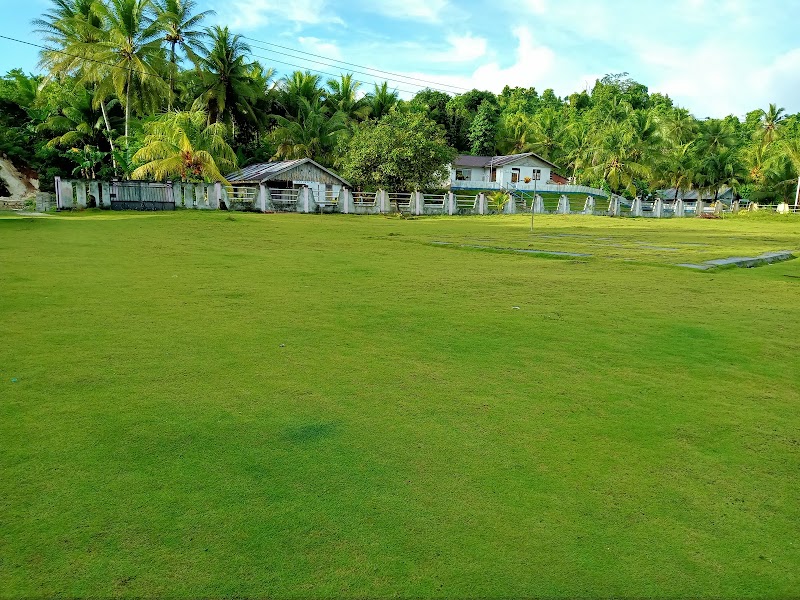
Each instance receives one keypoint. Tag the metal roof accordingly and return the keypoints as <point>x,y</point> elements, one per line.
<point>261,172</point>
<point>466,160</point>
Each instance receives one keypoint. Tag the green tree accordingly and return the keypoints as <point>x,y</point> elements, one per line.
<point>179,23</point>
<point>483,131</point>
<point>184,145</point>
<point>343,98</point>
<point>313,133</point>
<point>381,101</point>
<point>402,151</point>
<point>230,89</point>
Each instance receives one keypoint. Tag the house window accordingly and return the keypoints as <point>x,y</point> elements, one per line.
<point>537,174</point>
<point>514,175</point>
<point>493,175</point>
<point>463,174</point>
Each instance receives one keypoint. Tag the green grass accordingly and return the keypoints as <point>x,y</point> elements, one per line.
<point>292,405</point>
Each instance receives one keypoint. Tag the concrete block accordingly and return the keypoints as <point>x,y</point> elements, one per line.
<point>66,195</point>
<point>94,194</point>
<point>80,193</point>
<point>636,207</point>
<point>658,208</point>
<point>262,198</point>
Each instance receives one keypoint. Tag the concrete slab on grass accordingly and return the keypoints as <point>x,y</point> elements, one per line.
<point>742,261</point>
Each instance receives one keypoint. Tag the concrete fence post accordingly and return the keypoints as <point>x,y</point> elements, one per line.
<point>215,195</point>
<point>588,206</point>
<point>613,207</point>
<point>510,207</point>
<point>80,193</point>
<point>177,194</point>
<point>658,208</point>
<point>735,206</point>
<point>451,203</point>
<point>65,196</point>
<point>538,205</point>
<point>57,186</point>
<point>306,200</point>
<point>94,193</point>
<point>679,209</point>
<point>563,205</point>
<point>348,207</point>
<point>700,208</point>
<point>636,207</point>
<point>482,204</point>
<point>262,198</point>
<point>105,194</point>
<point>199,195</point>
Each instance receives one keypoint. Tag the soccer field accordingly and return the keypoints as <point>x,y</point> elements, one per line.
<point>204,405</point>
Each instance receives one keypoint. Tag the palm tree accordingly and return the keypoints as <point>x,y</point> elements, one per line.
<point>185,145</point>
<point>715,134</point>
<point>547,129</point>
<point>77,124</point>
<point>297,87</point>
<point>721,167</point>
<point>179,26</point>
<point>128,57</point>
<point>612,159</point>
<point>312,134</point>
<point>675,168</point>
<point>381,101</point>
<point>67,28</point>
<point>344,98</point>
<point>514,133</point>
<point>771,122</point>
<point>230,89</point>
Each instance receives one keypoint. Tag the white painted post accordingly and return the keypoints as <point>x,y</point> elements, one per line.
<point>636,208</point>
<point>177,193</point>
<point>105,193</point>
<point>658,208</point>
<point>451,203</point>
<point>199,195</point>
<point>94,191</point>
<point>563,205</point>
<point>538,205</point>
<point>262,197</point>
<point>217,195</point>
<point>511,206</point>
<point>419,204</point>
<point>588,206</point>
<point>679,209</point>
<point>481,203</point>
<point>80,193</point>
<point>700,208</point>
<point>57,185</point>
<point>735,206</point>
<point>306,200</point>
<point>65,197</point>
<point>797,193</point>
<point>613,206</point>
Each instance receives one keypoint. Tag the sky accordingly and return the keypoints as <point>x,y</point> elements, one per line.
<point>714,57</point>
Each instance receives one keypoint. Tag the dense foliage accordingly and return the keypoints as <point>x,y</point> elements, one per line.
<point>116,66</point>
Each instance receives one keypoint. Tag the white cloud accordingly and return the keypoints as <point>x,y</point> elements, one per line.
<point>423,10</point>
<point>320,47</point>
<point>251,14</point>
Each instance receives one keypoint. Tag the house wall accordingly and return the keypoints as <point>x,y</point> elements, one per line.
<point>504,174</point>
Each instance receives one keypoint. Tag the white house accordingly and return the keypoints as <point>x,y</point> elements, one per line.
<point>519,170</point>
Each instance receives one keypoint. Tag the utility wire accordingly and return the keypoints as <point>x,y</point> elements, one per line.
<point>275,60</point>
<point>99,62</point>
<point>399,75</point>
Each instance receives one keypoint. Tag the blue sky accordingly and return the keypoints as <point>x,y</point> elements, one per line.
<point>715,57</point>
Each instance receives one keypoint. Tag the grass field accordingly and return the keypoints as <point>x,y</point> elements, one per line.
<point>198,405</point>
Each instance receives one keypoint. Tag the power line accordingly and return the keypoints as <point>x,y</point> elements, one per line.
<point>99,62</point>
<point>439,85</point>
<point>339,67</point>
<point>321,72</point>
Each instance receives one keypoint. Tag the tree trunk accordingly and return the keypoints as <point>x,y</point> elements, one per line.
<point>172,58</point>
<point>110,135</point>
<point>127,121</point>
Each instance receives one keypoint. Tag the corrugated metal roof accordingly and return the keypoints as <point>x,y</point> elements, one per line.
<point>465,160</point>
<point>267,171</point>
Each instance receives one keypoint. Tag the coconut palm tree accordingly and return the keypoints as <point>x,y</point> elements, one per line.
<point>343,98</point>
<point>381,101</point>
<point>230,89</point>
<point>184,145</point>
<point>179,24</point>
<point>127,60</point>
<point>314,133</point>
<point>79,123</point>
<point>612,159</point>
<point>297,87</point>
<point>771,122</point>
